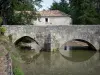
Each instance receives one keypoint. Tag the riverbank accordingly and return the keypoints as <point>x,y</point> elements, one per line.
<point>5,60</point>
<point>9,58</point>
<point>2,61</point>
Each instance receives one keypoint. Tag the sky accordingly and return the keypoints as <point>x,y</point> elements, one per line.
<point>46,4</point>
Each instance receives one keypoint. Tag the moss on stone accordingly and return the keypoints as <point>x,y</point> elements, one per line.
<point>55,49</point>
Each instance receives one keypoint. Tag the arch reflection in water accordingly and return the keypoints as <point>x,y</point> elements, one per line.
<point>29,56</point>
<point>77,55</point>
<point>55,64</point>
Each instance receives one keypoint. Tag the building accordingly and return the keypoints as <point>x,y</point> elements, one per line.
<point>53,17</point>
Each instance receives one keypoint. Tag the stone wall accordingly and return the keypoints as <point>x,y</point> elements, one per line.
<point>58,35</point>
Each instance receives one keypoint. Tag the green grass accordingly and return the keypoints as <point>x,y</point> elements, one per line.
<point>18,71</point>
<point>16,65</point>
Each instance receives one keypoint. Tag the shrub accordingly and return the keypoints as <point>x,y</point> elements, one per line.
<point>2,30</point>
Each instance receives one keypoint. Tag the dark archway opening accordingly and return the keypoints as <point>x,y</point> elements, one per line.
<point>78,44</point>
<point>25,42</point>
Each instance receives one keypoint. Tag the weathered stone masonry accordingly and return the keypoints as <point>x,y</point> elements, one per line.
<point>58,35</point>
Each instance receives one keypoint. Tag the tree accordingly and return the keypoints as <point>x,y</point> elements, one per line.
<point>97,5</point>
<point>8,11</point>
<point>23,17</point>
<point>62,6</point>
<point>83,12</point>
<point>4,6</point>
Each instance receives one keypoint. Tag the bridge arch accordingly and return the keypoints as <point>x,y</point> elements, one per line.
<point>67,43</point>
<point>72,55</point>
<point>28,39</point>
<point>27,42</point>
<point>84,41</point>
<point>88,38</point>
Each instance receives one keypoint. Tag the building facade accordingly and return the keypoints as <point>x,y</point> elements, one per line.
<point>53,17</point>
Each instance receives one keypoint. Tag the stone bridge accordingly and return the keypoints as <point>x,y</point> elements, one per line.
<point>56,36</point>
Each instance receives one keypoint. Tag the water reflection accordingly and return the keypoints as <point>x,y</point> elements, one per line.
<point>77,50</point>
<point>77,55</point>
<point>29,56</point>
<point>55,64</point>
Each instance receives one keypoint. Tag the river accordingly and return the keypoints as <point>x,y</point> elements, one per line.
<point>63,62</point>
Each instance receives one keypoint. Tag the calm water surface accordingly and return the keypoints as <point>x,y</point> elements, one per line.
<point>63,62</point>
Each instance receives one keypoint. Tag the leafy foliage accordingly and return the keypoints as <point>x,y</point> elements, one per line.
<point>0,20</point>
<point>62,6</point>
<point>8,11</point>
<point>81,11</point>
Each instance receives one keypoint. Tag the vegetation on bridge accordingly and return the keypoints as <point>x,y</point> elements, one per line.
<point>2,30</point>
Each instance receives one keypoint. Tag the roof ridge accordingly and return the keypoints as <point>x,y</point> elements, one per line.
<point>52,13</point>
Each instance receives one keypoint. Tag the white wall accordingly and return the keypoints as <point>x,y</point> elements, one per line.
<point>54,21</point>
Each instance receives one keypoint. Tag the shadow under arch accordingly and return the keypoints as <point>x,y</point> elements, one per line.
<point>26,39</point>
<point>84,41</point>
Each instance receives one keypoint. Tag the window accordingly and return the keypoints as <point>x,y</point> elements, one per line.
<point>46,19</point>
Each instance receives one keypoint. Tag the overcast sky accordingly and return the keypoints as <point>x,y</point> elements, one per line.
<point>46,3</point>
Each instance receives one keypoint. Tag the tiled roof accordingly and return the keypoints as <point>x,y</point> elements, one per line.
<point>52,13</point>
